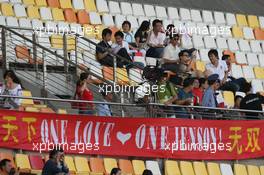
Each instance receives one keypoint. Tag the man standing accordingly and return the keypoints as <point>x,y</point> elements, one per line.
<point>6,168</point>
<point>209,98</point>
<point>105,109</point>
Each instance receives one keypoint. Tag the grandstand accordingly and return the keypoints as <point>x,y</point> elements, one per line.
<point>49,43</point>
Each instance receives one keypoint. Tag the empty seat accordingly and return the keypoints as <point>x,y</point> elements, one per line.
<point>139,166</point>
<point>237,32</point>
<point>78,5</point>
<point>200,65</point>
<point>237,71</point>
<point>253,170</point>
<point>133,21</point>
<point>209,42</point>
<point>232,44</point>
<point>57,14</point>
<point>241,57</point>
<point>199,168</point>
<point>96,165</point>
<point>12,1</point>
<point>252,59</point>
<point>185,14</point>
<point>261,59</point>
<point>2,20</point>
<point>81,164</point>
<point>240,169</point>
<point>135,76</point>
<point>125,166</point>
<point>70,16</point>
<point>244,45</point>
<point>7,9</point>
<point>198,41</point>
<point>41,3</point>
<point>171,168</point>
<point>108,20</point>
<point>153,166</point>
<point>20,11</point>
<point>219,17</point>
<point>90,5</point>
<point>95,18</point>
<point>53,3</point>
<point>229,98</point>
<point>149,10</point>
<point>248,72</point>
<point>161,12</point>
<point>213,169</point>
<point>126,8</point>
<point>261,22</point>
<point>45,14</point>
<point>101,6</point>
<point>226,169</point>
<point>196,15</point>
<point>227,32</point>
<point>173,13</point>
<point>261,170</point>
<point>114,7</point>
<point>230,19</point>
<point>248,33</point>
<point>255,46</point>
<point>259,72</point>
<point>256,86</point>
<point>138,10</point>
<point>56,41</point>
<point>204,55</point>
<point>207,17</point>
<point>50,26</point>
<point>83,17</point>
<point>70,163</point>
<point>11,21</point>
<point>23,163</point>
<point>221,43</point>
<point>202,29</point>
<point>241,20</point>
<point>25,23</point>
<point>36,163</point>
<point>29,2</point>
<point>109,164</point>
<point>119,19</point>
<point>253,21</point>
<point>33,12</point>
<point>259,34</point>
<point>26,101</point>
<point>186,168</point>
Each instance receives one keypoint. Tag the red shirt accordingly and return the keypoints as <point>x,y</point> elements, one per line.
<point>197,92</point>
<point>86,95</point>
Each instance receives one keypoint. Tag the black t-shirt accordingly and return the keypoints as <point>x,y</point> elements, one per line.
<point>103,46</point>
<point>252,102</point>
<point>51,168</point>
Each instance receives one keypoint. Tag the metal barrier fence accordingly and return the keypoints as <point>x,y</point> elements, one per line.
<point>152,110</point>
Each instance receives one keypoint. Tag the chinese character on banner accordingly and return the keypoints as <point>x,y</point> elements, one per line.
<point>236,137</point>
<point>253,135</point>
<point>10,128</point>
<point>30,127</point>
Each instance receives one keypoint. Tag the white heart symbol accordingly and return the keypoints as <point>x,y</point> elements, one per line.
<point>123,138</point>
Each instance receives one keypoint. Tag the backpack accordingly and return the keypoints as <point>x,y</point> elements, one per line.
<point>152,73</point>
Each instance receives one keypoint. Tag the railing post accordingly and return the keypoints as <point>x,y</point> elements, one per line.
<point>34,39</point>
<point>4,63</point>
<point>65,55</point>
<point>76,54</point>
<point>44,85</point>
<point>114,69</point>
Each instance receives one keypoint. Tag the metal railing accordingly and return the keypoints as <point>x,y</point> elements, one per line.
<point>155,110</point>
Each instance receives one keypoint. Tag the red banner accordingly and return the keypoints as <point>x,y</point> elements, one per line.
<point>140,137</point>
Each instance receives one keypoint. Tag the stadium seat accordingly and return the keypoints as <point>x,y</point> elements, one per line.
<point>261,22</point>
<point>122,76</point>
<point>259,72</point>
<point>109,164</point>
<point>119,19</point>
<point>237,71</point>
<point>199,168</point>
<point>29,2</point>
<point>50,25</point>
<point>46,110</point>
<point>78,5</point>
<point>126,166</point>
<point>232,44</point>
<point>102,6</point>
<point>241,20</point>
<point>198,41</point>
<point>204,55</point>
<point>171,168</point>
<point>90,6</point>
<point>255,46</point>
<point>161,12</point>
<point>186,168</point>
<point>227,32</point>
<point>253,21</point>
<point>20,11</point>
<point>219,17</point>
<point>70,163</point>
<point>185,14</point>
<point>31,109</point>
<point>259,34</point>
<point>36,163</point>
<point>200,65</point>
<point>126,8</point>
<point>25,23</point>
<point>256,86</point>
<point>149,10</point>
<point>70,16</point>
<point>241,58</point>
<point>209,42</point>
<point>230,19</point>
<point>82,166</point>
<point>7,9</point>
<point>226,169</point>
<point>114,7</point>
<point>26,101</point>
<point>33,12</point>
<point>237,32</point>
<point>13,1</point>
<point>41,3</point>
<point>261,59</point>
<point>62,111</point>
<point>8,155</point>
<point>108,73</point>
<point>138,166</point>
<point>173,13</point>
<point>221,43</point>
<point>22,162</point>
<point>45,13</point>
<point>138,10</point>
<point>196,16</point>
<point>53,3</point>
<point>83,17</point>
<point>97,166</point>
<point>244,45</point>
<point>248,72</point>
<point>77,27</point>
<point>231,54</point>
<point>153,166</point>
<point>133,21</point>
<point>248,33</point>
<point>95,18</point>
<point>202,28</point>
<point>12,21</point>
<point>56,41</point>
<point>261,170</point>
<point>252,59</point>
<point>253,170</point>
<point>108,20</point>
<point>135,76</point>
<point>229,98</point>
<point>240,169</point>
<point>57,14</point>
<point>207,17</point>
<point>2,20</point>
<point>213,169</point>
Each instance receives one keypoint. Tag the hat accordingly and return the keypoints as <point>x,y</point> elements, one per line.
<point>213,77</point>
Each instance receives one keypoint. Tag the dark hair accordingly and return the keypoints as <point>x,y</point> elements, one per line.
<point>174,35</point>
<point>106,90</point>
<point>115,171</point>
<point>182,52</point>
<point>169,30</point>
<point>55,151</point>
<point>187,82</point>
<point>225,57</point>
<point>84,76</point>
<point>144,26</point>
<point>202,81</point>
<point>155,22</point>
<point>3,163</point>
<point>12,75</point>
<point>128,23</point>
<point>147,172</point>
<point>119,33</point>
<point>214,52</point>
<point>106,31</point>
<point>211,82</point>
<point>170,26</point>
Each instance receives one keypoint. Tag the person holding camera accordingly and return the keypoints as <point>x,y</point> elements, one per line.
<point>56,164</point>
<point>6,168</point>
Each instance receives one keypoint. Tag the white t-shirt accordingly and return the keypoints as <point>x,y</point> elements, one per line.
<point>117,47</point>
<point>17,91</point>
<point>156,40</point>
<point>171,52</point>
<point>220,69</point>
